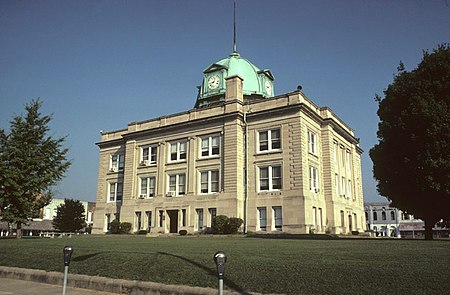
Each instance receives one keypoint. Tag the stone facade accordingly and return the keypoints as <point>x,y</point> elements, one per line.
<point>274,162</point>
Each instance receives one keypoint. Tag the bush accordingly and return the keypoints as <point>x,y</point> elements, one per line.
<point>355,232</point>
<point>225,225</point>
<point>125,227</point>
<point>116,227</point>
<point>141,232</point>
<point>183,232</point>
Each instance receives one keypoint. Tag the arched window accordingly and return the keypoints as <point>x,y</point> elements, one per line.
<point>392,215</point>
<point>367,216</point>
<point>375,216</point>
<point>383,215</point>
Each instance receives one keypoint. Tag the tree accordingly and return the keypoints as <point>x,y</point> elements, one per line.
<point>412,157</point>
<point>69,216</point>
<point>31,162</point>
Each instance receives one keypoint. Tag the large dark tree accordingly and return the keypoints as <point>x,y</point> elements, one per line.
<point>412,158</point>
<point>69,216</point>
<point>31,162</point>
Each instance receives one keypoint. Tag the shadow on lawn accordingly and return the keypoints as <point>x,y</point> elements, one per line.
<point>85,257</point>
<point>210,272</point>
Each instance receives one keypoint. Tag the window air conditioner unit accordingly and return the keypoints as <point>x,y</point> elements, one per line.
<point>343,195</point>
<point>170,194</point>
<point>317,190</point>
<point>144,163</point>
<point>113,169</point>
<point>142,196</point>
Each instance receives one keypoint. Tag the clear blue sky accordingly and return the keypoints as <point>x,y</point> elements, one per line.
<point>99,65</point>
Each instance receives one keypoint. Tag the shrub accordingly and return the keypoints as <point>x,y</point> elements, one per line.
<point>114,227</point>
<point>141,232</point>
<point>183,232</point>
<point>125,227</point>
<point>225,225</point>
<point>355,232</point>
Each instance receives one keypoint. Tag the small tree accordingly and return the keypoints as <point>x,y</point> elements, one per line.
<point>69,216</point>
<point>31,162</point>
<point>412,159</point>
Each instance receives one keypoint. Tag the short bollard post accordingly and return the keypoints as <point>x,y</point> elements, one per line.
<point>220,258</point>
<point>68,250</point>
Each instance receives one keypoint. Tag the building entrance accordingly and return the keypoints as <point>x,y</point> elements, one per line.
<point>173,216</point>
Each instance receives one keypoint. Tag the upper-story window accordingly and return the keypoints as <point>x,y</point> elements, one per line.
<point>178,151</point>
<point>148,155</point>
<point>347,159</point>
<point>269,140</point>
<point>147,188</point>
<point>115,192</point>
<point>116,162</point>
<point>314,179</point>
<point>209,182</point>
<point>270,178</point>
<point>392,215</point>
<point>177,185</point>
<point>335,152</point>
<point>210,146</point>
<point>312,142</point>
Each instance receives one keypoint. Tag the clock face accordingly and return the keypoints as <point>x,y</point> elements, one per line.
<point>213,82</point>
<point>268,88</point>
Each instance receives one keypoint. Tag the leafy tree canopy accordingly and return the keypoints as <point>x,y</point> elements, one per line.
<point>69,216</point>
<point>412,157</point>
<point>31,162</point>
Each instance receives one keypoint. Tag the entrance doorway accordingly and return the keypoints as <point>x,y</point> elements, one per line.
<point>173,216</point>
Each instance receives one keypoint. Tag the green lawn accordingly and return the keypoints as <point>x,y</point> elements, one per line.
<point>261,265</point>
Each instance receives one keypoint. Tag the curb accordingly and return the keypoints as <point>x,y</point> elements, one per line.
<point>105,284</point>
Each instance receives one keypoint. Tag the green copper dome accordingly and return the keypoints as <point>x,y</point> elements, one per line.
<point>257,83</point>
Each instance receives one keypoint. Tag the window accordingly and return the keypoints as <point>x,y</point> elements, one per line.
<point>269,140</point>
<point>342,220</point>
<point>148,155</point>
<point>336,183</point>
<point>210,146</point>
<point>147,187</point>
<point>313,179</point>
<point>335,152</point>
<point>183,217</point>
<point>375,216</point>
<point>107,221</point>
<point>177,185</point>
<point>314,216</point>
<point>349,189</point>
<point>149,220</point>
<point>212,216</point>
<point>347,160</point>
<point>277,218</point>
<point>115,192</point>
<point>199,219</point>
<point>138,221</point>
<point>342,156</point>
<point>161,218</point>
<point>343,186</point>
<point>116,162</point>
<point>312,142</point>
<point>262,217</point>
<point>177,151</point>
<point>209,182</point>
<point>270,178</point>
<point>320,218</point>
<point>383,215</point>
<point>392,215</point>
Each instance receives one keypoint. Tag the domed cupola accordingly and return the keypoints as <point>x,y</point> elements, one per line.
<point>257,83</point>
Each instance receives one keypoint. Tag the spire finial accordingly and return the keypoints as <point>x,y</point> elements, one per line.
<point>234,43</point>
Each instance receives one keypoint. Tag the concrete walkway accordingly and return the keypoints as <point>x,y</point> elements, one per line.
<point>52,282</point>
<point>19,287</point>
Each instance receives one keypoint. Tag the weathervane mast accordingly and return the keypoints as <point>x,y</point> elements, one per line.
<point>234,43</point>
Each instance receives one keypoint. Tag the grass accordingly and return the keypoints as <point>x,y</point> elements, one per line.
<point>260,265</point>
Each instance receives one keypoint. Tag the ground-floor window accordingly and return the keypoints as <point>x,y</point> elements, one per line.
<point>199,219</point>
<point>277,218</point>
<point>138,220</point>
<point>212,216</point>
<point>161,218</point>
<point>262,218</point>
<point>183,217</point>
<point>149,220</point>
<point>107,221</point>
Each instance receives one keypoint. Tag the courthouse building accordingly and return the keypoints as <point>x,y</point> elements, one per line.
<point>281,163</point>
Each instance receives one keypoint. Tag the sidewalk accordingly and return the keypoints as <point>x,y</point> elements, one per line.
<point>20,287</point>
